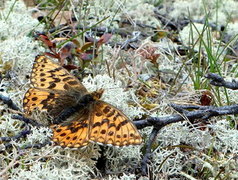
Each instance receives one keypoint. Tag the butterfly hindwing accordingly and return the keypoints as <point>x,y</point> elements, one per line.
<point>73,135</point>
<point>111,126</point>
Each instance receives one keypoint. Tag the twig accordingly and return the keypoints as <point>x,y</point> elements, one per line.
<point>203,113</point>
<point>219,81</point>
<point>11,164</point>
<point>6,100</point>
<point>21,134</point>
<point>206,113</point>
<point>135,38</point>
<point>200,112</point>
<point>148,154</point>
<point>26,120</point>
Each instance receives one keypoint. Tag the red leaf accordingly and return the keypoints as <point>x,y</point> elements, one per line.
<point>57,56</point>
<point>206,98</point>
<point>149,53</point>
<point>104,39</point>
<point>86,57</point>
<point>46,41</point>
<point>66,50</point>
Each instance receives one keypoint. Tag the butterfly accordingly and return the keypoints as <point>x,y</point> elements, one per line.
<point>78,116</point>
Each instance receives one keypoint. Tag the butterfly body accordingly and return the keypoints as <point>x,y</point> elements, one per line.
<point>78,117</point>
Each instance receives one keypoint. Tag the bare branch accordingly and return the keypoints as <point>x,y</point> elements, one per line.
<point>148,154</point>
<point>6,100</point>
<point>205,112</point>
<point>20,135</point>
<point>219,81</point>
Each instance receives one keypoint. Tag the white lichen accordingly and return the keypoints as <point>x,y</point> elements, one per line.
<point>114,11</point>
<point>171,160</point>
<point>54,165</point>
<point>17,48</point>
<point>195,35</point>
<point>226,137</point>
<point>219,12</point>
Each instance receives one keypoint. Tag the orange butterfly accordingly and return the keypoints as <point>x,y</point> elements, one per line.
<point>77,116</point>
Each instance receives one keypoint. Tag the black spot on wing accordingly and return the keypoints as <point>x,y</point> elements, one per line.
<point>67,78</point>
<point>72,82</point>
<point>111,113</point>
<point>34,98</point>
<point>106,109</point>
<point>52,85</point>
<point>123,123</point>
<point>55,70</point>
<point>42,79</point>
<point>100,123</point>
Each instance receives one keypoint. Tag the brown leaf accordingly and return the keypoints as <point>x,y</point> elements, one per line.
<point>66,50</point>
<point>206,98</point>
<point>57,56</point>
<point>150,54</point>
<point>104,39</point>
<point>44,38</point>
<point>86,46</point>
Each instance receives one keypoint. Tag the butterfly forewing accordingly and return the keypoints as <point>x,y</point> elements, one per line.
<point>49,75</point>
<point>36,99</point>
<point>53,88</point>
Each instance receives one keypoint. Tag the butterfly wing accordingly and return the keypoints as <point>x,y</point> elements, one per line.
<point>74,132</point>
<point>111,126</point>
<point>53,88</point>
<point>100,122</point>
<point>74,135</point>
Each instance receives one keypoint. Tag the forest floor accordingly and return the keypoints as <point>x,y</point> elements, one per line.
<point>169,66</point>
